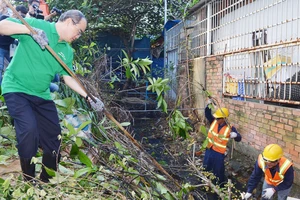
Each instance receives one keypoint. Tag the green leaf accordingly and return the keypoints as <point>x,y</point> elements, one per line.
<point>78,142</point>
<point>83,171</point>
<point>203,130</point>
<point>160,100</point>
<point>111,157</point>
<point>145,62</point>
<point>125,124</point>
<point>161,188</point>
<point>204,144</point>
<point>150,80</point>
<point>165,106</point>
<point>85,159</point>
<point>74,151</point>
<point>49,171</point>
<point>6,183</point>
<point>83,125</point>
<point>3,160</point>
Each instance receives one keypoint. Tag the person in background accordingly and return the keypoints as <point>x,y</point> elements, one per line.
<point>22,10</point>
<point>25,85</point>
<point>5,41</point>
<point>278,171</point>
<point>218,136</point>
<point>4,9</point>
<point>35,12</point>
<point>32,8</point>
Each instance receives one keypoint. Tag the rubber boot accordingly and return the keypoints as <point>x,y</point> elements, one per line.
<point>27,169</point>
<point>50,161</point>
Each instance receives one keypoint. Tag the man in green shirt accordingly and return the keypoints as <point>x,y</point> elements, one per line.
<point>26,81</point>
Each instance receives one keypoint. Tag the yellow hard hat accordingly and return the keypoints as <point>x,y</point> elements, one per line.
<point>272,152</point>
<point>221,113</point>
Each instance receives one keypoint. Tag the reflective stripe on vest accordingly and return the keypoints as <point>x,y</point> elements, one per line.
<point>218,140</point>
<point>284,165</point>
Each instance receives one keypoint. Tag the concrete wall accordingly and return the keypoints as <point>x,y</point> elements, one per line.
<point>198,79</point>
<point>259,124</point>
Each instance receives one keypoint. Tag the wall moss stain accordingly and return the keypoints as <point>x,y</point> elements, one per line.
<point>271,123</point>
<point>263,130</point>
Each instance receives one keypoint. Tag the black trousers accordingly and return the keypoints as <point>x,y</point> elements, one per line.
<point>36,123</point>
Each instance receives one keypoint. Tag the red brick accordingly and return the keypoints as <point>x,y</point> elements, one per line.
<point>281,131</point>
<point>294,153</point>
<point>261,106</point>
<point>286,150</point>
<point>296,112</point>
<point>287,111</point>
<point>271,123</point>
<point>279,136</point>
<point>251,105</point>
<point>274,129</point>
<point>263,130</point>
<point>280,125</point>
<point>297,148</point>
<point>290,139</point>
<point>253,132</point>
<point>283,120</point>
<point>267,116</point>
<point>271,108</point>
<point>272,140</point>
<point>281,143</point>
<point>288,128</point>
<point>279,110</point>
<point>259,124</point>
<point>291,134</point>
<point>275,118</point>
<point>293,123</point>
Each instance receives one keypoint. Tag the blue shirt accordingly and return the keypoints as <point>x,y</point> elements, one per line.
<point>211,118</point>
<point>258,173</point>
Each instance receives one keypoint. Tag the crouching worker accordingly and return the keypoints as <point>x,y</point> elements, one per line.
<point>218,135</point>
<point>278,171</point>
<point>26,81</point>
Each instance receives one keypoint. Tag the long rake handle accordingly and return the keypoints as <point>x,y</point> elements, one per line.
<point>109,115</point>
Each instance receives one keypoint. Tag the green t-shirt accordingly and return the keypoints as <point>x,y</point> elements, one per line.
<point>32,69</point>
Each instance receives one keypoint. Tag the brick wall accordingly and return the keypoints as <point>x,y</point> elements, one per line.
<point>259,124</point>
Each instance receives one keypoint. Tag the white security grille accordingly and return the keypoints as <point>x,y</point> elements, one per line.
<point>259,40</point>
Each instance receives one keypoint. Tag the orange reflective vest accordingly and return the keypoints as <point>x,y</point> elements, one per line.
<point>284,165</point>
<point>44,7</point>
<point>217,140</point>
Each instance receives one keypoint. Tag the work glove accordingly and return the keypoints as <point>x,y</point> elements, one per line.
<point>246,196</point>
<point>209,101</point>
<point>268,193</point>
<point>233,135</point>
<point>98,105</point>
<point>40,37</point>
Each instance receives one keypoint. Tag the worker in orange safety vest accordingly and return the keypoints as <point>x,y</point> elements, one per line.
<point>218,136</point>
<point>278,170</point>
